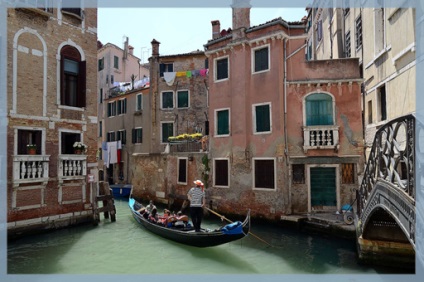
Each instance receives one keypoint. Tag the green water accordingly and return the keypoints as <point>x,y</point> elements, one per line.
<point>124,247</point>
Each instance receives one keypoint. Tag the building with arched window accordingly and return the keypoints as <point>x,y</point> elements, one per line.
<point>51,113</point>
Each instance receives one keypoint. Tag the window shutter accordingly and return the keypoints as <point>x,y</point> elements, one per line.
<point>161,69</point>
<point>133,135</point>
<point>82,84</point>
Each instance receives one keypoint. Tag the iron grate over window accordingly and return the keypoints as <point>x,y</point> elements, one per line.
<point>298,174</point>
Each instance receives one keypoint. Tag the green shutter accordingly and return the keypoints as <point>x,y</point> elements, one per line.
<point>319,109</point>
<point>223,122</point>
<point>263,119</point>
<point>182,99</point>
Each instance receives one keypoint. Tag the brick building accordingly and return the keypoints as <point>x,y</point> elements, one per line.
<point>51,104</point>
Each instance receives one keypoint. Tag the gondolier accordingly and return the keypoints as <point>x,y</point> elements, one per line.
<point>196,197</point>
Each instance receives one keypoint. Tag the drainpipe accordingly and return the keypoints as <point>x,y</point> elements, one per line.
<point>285,121</point>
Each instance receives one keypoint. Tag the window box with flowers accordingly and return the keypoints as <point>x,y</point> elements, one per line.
<point>79,148</point>
<point>32,149</point>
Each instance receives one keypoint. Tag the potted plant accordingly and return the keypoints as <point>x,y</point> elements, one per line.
<point>31,149</point>
<point>79,148</point>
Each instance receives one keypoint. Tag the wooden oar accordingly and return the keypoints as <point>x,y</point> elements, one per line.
<point>223,217</point>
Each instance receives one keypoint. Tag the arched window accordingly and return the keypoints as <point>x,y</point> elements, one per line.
<point>72,87</point>
<point>319,109</point>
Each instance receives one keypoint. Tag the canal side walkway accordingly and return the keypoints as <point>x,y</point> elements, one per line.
<point>330,223</point>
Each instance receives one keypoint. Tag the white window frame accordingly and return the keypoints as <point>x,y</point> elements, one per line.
<point>215,72</point>
<point>178,170</point>
<point>253,174</point>
<point>255,132</point>
<point>214,173</point>
<point>252,54</point>
<point>136,102</point>
<point>216,122</point>
<point>161,126</point>
<point>176,99</point>
<point>173,100</point>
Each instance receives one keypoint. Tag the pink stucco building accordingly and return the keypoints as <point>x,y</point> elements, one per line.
<point>285,133</point>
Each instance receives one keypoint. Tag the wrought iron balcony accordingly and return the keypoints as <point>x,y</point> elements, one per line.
<point>320,137</point>
<point>30,168</point>
<point>72,167</point>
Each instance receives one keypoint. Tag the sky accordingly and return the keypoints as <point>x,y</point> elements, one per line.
<point>179,30</point>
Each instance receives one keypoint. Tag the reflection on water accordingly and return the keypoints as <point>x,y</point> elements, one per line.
<point>125,247</point>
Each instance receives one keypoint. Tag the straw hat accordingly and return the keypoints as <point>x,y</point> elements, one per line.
<point>198,183</point>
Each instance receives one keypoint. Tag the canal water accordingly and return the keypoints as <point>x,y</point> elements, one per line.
<point>124,247</point>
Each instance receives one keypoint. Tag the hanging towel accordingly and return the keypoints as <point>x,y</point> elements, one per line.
<point>195,73</point>
<point>169,77</point>
<point>118,151</point>
<point>181,73</point>
<point>188,73</point>
<point>203,72</point>
<point>111,149</point>
<point>105,155</point>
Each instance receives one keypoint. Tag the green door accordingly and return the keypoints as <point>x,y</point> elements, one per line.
<point>323,187</point>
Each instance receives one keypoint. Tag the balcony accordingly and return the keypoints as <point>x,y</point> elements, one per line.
<point>72,167</point>
<point>30,168</point>
<point>320,137</point>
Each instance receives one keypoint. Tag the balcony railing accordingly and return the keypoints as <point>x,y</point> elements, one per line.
<point>72,166</point>
<point>30,168</point>
<point>320,137</point>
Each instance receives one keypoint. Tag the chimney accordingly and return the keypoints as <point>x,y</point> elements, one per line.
<point>155,48</point>
<point>130,49</point>
<point>241,14</point>
<point>216,26</point>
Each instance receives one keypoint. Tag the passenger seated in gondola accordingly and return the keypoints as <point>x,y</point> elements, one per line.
<point>164,219</point>
<point>181,220</point>
<point>144,212</point>
<point>150,206</point>
<point>153,217</point>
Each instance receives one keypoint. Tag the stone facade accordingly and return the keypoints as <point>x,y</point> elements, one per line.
<point>45,48</point>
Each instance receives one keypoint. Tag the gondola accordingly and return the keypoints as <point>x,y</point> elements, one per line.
<point>188,236</point>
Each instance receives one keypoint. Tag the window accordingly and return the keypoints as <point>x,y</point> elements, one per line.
<point>319,109</point>
<point>122,106</point>
<point>298,174</point>
<point>110,136</point>
<point>182,171</point>
<point>318,32</point>
<point>261,59</point>
<point>165,67</point>
<point>262,118</point>
<point>101,96</point>
<point>112,80</point>
<point>167,131</point>
<point>182,99</point>
<point>264,173</point>
<point>358,32</point>
<point>67,140</point>
<point>26,137</point>
<point>222,122</point>
<point>221,68</point>
<point>137,135</point>
<point>73,11</point>
<point>369,112</point>
<point>116,62</point>
<point>347,45</point>
<point>101,64</point>
<point>111,109</point>
<point>379,31</point>
<point>382,102</point>
<point>221,173</point>
<point>139,103</point>
<point>100,128</point>
<point>308,50</point>
<point>348,173</point>
<point>72,78</point>
<point>122,136</point>
<point>167,100</point>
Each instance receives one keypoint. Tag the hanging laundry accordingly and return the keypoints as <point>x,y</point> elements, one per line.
<point>195,73</point>
<point>169,77</point>
<point>119,151</point>
<point>203,72</point>
<point>112,154</point>
<point>181,73</point>
<point>105,154</point>
<point>188,74</point>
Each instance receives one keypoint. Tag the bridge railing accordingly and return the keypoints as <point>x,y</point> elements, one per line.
<point>392,158</point>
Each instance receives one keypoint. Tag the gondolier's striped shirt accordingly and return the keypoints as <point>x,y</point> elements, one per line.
<point>196,196</point>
